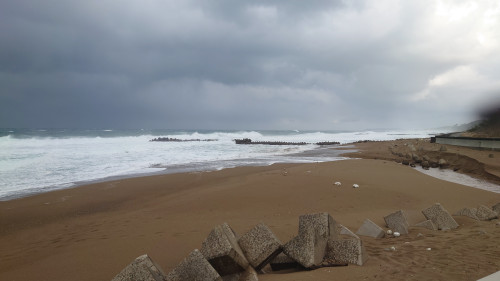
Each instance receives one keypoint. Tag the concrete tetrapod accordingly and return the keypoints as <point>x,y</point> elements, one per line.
<point>370,229</point>
<point>440,217</point>
<point>142,268</point>
<point>397,222</point>
<point>346,248</point>
<point>260,246</point>
<point>308,248</point>
<point>223,252</point>
<point>194,268</point>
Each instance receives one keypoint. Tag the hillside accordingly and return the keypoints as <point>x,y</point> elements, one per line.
<point>488,128</point>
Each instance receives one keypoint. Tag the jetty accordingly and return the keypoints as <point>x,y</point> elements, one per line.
<point>249,141</point>
<point>167,139</point>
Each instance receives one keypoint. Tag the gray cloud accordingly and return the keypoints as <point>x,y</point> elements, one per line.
<point>246,64</point>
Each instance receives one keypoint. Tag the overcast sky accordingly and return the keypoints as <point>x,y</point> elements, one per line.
<point>228,64</point>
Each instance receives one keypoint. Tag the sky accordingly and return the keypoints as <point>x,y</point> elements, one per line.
<point>307,65</point>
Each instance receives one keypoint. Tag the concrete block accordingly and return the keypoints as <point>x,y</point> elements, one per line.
<point>370,229</point>
<point>142,268</point>
<point>323,223</point>
<point>248,275</point>
<point>194,267</point>
<point>282,262</point>
<point>496,208</point>
<point>344,231</point>
<point>492,277</point>
<point>427,224</point>
<point>485,214</point>
<point>397,222</point>
<point>440,217</point>
<point>344,250</point>
<point>260,246</point>
<point>467,212</point>
<point>223,252</point>
<point>308,248</point>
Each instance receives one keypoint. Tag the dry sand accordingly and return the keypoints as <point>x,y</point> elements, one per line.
<point>92,232</point>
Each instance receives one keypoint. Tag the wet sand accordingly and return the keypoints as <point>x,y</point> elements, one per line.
<point>92,232</point>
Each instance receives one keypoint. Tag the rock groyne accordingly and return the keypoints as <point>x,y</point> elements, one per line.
<point>249,141</point>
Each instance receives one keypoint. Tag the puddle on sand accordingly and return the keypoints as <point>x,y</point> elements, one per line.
<point>451,176</point>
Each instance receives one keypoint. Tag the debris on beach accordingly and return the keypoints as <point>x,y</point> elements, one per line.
<point>355,185</point>
<point>392,248</point>
<point>337,183</point>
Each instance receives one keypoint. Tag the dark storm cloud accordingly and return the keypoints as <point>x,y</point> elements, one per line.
<point>246,64</point>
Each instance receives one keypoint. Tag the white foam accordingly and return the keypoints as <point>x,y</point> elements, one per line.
<point>451,176</point>
<point>56,159</point>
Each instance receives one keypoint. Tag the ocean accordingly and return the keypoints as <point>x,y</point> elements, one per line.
<point>34,161</point>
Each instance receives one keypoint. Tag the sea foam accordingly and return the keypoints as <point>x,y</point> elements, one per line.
<point>33,161</point>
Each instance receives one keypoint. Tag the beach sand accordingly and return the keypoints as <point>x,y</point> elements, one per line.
<point>92,232</point>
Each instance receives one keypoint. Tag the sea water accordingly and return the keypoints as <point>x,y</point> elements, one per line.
<point>34,161</point>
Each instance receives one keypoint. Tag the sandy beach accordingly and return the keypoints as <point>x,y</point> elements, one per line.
<point>92,232</point>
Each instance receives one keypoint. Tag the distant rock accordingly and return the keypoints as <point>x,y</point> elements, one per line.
<point>412,148</point>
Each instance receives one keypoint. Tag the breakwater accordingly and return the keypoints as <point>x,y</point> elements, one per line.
<point>167,139</point>
<point>249,141</point>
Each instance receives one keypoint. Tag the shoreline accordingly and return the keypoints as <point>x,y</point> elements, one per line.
<point>357,150</point>
<point>91,232</point>
<point>301,157</point>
